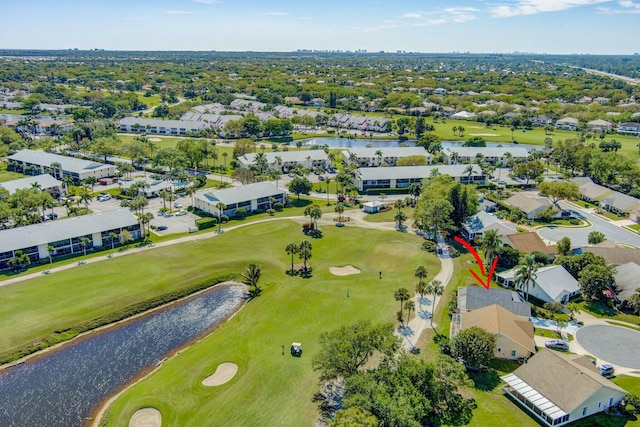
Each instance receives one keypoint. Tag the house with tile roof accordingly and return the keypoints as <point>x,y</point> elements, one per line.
<point>558,389</point>
<point>514,335</point>
<point>528,243</point>
<point>531,205</point>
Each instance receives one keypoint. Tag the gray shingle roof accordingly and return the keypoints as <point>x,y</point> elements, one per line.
<point>167,124</point>
<point>53,231</point>
<point>389,151</point>
<point>70,164</point>
<point>233,195</point>
<point>46,181</point>
<point>626,276</point>
<point>286,156</point>
<point>484,221</point>
<point>416,172</point>
<point>476,297</point>
<point>516,152</point>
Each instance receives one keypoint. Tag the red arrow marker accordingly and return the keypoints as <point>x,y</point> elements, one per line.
<point>480,264</point>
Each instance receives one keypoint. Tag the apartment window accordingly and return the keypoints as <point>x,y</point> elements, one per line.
<point>584,411</point>
<point>513,353</point>
<point>499,350</point>
<point>599,404</point>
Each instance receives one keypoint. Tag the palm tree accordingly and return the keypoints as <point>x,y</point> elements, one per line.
<point>315,213</point>
<point>526,274</point>
<point>469,171</point>
<point>50,250</point>
<point>113,236</point>
<point>251,277</point>
<point>55,167</point>
<point>292,249</point>
<point>84,242</point>
<point>454,129</point>
<point>262,162</point>
<point>91,180</point>
<point>415,190</point>
<point>422,288</point>
<point>399,218</point>
<point>85,197</point>
<point>328,180</point>
<point>220,207</point>
<point>402,295</point>
<point>379,156</point>
<point>436,289</point>
<point>224,156</point>
<point>490,243</point>
<point>410,306</point>
<point>573,309</point>
<point>304,252</point>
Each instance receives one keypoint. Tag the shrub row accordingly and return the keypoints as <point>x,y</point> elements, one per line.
<point>204,223</point>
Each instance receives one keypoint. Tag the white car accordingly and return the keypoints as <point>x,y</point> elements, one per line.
<point>177,205</point>
<point>104,197</point>
<point>181,213</point>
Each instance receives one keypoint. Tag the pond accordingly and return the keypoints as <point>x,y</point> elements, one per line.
<point>63,387</point>
<point>382,143</point>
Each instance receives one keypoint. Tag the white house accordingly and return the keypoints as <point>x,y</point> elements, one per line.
<point>599,125</point>
<point>463,115</point>
<point>42,126</point>
<point>552,284</point>
<point>161,127</point>
<point>40,162</point>
<point>560,388</point>
<point>44,182</point>
<point>567,123</point>
<point>152,188</point>
<point>492,155</point>
<point>396,177</point>
<point>65,235</point>
<point>260,195</point>
<point>287,160</point>
<point>629,127</point>
<point>373,157</point>
<point>530,204</point>
<point>475,226</point>
<point>373,206</point>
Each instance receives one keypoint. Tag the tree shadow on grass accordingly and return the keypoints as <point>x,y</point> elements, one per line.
<point>485,380</point>
<point>301,203</point>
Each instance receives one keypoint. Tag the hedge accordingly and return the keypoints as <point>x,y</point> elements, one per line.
<point>204,223</point>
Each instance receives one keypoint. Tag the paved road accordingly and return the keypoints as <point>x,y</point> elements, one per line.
<point>614,344</point>
<point>578,236</point>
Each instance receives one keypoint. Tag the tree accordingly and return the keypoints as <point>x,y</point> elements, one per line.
<point>409,306</point>
<point>339,209</point>
<point>113,236</point>
<point>344,351</point>
<point>85,197</point>
<point>220,207</point>
<point>419,127</point>
<point>572,308</point>
<point>634,302</point>
<point>422,288</point>
<point>557,191</point>
<point>292,249</point>
<point>526,274</point>
<point>595,237</point>
<point>436,289</point>
<point>304,252</point>
<point>414,191</point>
<point>300,185</point>
<point>490,242</point>
<point>50,251</point>
<point>564,246</point>
<point>252,276</point>
<point>19,260</point>
<point>399,218</point>
<point>401,294</point>
<point>245,176</point>
<point>125,237</point>
<point>84,242</point>
<point>529,170</point>
<point>595,280</point>
<point>315,213</point>
<point>434,216</point>
<point>474,346</point>
<point>353,417</point>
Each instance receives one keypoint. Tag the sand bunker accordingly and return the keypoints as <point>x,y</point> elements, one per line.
<point>155,139</point>
<point>146,417</point>
<point>344,271</point>
<point>484,134</point>
<point>223,374</point>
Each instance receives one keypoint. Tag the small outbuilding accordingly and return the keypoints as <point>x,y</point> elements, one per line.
<point>372,207</point>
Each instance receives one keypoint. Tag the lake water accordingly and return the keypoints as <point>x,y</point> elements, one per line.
<point>382,143</point>
<point>63,387</point>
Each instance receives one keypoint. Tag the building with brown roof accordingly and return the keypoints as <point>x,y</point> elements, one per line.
<point>529,242</point>
<point>614,255</point>
<point>560,388</point>
<point>529,204</point>
<point>514,335</point>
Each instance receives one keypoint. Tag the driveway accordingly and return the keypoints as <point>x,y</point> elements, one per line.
<point>579,236</point>
<point>614,344</point>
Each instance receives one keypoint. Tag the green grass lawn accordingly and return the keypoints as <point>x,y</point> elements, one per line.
<point>151,101</point>
<point>599,309</point>
<point>272,389</point>
<point>6,175</point>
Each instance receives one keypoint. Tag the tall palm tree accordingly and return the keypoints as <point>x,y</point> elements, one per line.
<point>469,171</point>
<point>415,190</point>
<point>400,217</point>
<point>490,243</point>
<point>304,252</point>
<point>410,306</point>
<point>328,180</point>
<point>113,236</point>
<point>315,213</point>
<point>84,242</point>
<point>526,274</point>
<point>252,276</point>
<point>402,295</point>
<point>220,207</point>
<point>50,250</point>
<point>85,197</point>
<point>91,180</point>
<point>421,273</point>
<point>436,289</point>
<point>292,249</point>
<point>379,156</point>
<point>422,288</point>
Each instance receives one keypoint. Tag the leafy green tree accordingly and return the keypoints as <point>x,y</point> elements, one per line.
<point>345,350</point>
<point>434,216</point>
<point>400,217</point>
<point>557,191</point>
<point>576,263</point>
<point>573,309</point>
<point>300,185</point>
<point>475,346</point>
<point>594,280</point>
<point>564,246</point>
<point>529,170</point>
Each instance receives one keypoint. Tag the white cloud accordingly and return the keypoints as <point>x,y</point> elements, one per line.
<point>631,6</point>
<point>276,14</point>
<point>531,7</point>
<point>431,18</point>
<point>207,1</point>
<point>178,12</point>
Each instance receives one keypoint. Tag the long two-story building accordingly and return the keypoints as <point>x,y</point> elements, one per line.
<point>260,195</point>
<point>403,177</point>
<point>33,162</point>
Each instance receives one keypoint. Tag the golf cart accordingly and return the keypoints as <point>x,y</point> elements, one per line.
<point>296,349</point>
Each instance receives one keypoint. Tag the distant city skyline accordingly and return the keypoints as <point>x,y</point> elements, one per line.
<point>476,26</point>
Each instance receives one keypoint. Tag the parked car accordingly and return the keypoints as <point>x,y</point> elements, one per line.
<point>162,227</point>
<point>104,197</point>
<point>52,215</point>
<point>296,349</point>
<point>321,178</point>
<point>177,205</point>
<point>181,213</point>
<point>606,370</point>
<point>557,345</point>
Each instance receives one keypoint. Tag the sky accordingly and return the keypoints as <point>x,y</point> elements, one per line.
<point>476,26</point>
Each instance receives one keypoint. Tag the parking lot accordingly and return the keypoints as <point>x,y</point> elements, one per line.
<point>174,224</point>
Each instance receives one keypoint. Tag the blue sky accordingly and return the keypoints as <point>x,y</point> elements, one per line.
<point>542,26</point>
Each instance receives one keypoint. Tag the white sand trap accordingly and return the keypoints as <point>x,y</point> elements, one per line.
<point>146,417</point>
<point>484,134</point>
<point>344,271</point>
<point>155,139</point>
<point>223,374</point>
